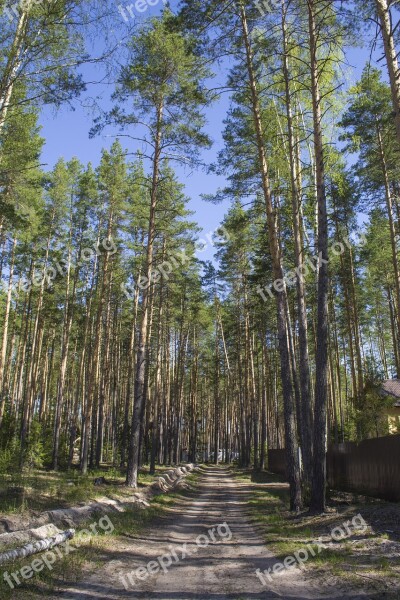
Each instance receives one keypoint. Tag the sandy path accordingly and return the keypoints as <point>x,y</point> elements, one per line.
<point>223,570</point>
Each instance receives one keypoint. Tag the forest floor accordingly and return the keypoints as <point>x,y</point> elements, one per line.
<point>38,490</point>
<point>243,524</point>
<point>167,560</point>
<point>366,558</point>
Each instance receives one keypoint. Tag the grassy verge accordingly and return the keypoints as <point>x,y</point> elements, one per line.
<point>91,550</point>
<point>41,490</point>
<point>366,560</point>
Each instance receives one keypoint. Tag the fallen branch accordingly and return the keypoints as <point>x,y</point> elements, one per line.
<point>36,547</point>
<point>15,531</point>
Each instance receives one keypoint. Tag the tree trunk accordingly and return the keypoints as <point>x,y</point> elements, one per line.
<point>141,360</point>
<point>385,19</point>
<point>305,387</point>
<point>3,354</point>
<point>289,408</point>
<point>318,493</point>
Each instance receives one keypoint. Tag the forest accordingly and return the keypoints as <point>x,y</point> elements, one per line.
<point>120,344</point>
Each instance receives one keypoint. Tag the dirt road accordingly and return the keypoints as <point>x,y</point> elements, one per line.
<point>177,564</point>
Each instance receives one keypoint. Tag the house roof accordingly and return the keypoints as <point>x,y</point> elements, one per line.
<point>391,387</point>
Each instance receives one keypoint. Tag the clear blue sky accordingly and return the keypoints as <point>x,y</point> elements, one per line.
<point>66,135</point>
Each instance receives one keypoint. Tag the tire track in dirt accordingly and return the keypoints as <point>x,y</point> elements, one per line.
<point>224,570</point>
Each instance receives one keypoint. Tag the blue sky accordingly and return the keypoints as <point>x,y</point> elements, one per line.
<point>66,135</point>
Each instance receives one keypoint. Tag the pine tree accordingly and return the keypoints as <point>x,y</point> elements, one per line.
<point>163,82</point>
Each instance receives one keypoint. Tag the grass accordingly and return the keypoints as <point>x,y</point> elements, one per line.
<point>88,556</point>
<point>42,490</point>
<point>285,533</point>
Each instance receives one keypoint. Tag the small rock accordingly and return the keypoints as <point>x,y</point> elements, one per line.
<point>100,481</point>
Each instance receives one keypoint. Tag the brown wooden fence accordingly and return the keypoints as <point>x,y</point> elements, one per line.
<point>277,461</point>
<point>371,467</point>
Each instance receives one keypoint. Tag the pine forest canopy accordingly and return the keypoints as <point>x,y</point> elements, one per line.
<point>119,343</point>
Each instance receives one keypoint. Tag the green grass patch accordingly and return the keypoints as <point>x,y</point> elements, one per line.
<point>41,490</point>
<point>285,533</point>
<point>92,551</point>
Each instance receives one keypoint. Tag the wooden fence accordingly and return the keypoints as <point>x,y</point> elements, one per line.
<point>371,467</point>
